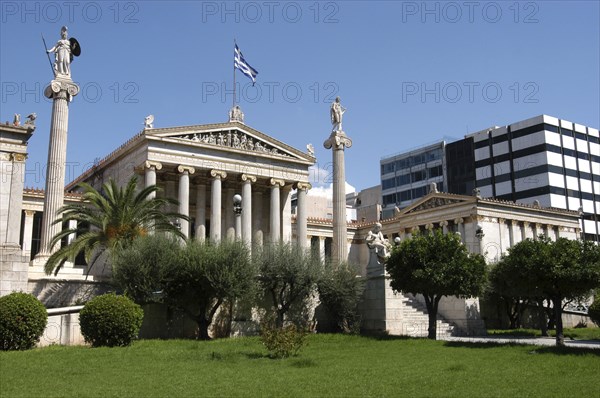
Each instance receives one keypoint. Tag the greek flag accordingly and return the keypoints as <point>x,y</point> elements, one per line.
<point>240,63</point>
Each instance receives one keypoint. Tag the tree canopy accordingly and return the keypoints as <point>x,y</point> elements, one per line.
<point>554,270</point>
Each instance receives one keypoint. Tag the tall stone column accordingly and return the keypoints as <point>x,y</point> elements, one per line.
<point>247,181</point>
<point>184,196</point>
<point>257,218</point>
<point>150,175</point>
<point>61,90</point>
<point>286,214</point>
<point>229,219</point>
<point>338,142</point>
<point>28,233</point>
<point>201,211</point>
<point>275,209</point>
<point>215,204</point>
<point>301,214</point>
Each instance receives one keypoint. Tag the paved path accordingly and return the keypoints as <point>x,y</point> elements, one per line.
<point>542,341</point>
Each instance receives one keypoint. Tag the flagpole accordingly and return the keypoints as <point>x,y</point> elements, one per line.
<point>233,73</point>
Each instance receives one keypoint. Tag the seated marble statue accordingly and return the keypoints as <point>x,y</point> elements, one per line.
<point>377,242</point>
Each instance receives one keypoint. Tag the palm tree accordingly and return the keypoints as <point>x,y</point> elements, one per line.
<point>110,219</point>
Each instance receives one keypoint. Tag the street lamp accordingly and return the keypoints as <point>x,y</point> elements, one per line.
<point>237,210</point>
<point>479,232</point>
<point>581,214</point>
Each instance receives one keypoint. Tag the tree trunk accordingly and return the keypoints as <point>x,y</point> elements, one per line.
<point>202,327</point>
<point>432,306</point>
<point>542,318</point>
<point>560,338</point>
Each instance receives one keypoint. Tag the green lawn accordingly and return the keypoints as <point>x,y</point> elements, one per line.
<point>575,333</point>
<point>331,365</point>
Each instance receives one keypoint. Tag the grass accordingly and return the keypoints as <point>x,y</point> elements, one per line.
<point>331,365</point>
<point>573,333</point>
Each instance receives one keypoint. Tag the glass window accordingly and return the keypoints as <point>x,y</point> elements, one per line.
<point>419,175</point>
<point>403,179</point>
<point>404,195</point>
<point>387,184</point>
<point>435,171</point>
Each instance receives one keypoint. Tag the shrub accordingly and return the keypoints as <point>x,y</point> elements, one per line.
<point>23,319</point>
<point>282,342</point>
<point>594,310</point>
<point>110,320</point>
<point>340,291</point>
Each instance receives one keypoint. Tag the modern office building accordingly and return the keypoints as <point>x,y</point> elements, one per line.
<point>554,162</point>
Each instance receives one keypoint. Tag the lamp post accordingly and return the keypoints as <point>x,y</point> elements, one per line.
<point>237,210</point>
<point>581,214</point>
<point>479,234</point>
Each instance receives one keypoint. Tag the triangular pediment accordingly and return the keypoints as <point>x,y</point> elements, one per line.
<point>230,137</point>
<point>437,199</point>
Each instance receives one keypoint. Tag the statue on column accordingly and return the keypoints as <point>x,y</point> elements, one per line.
<point>337,112</point>
<point>377,244</point>
<point>64,51</point>
<point>236,114</point>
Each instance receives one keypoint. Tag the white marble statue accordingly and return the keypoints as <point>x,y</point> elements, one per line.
<point>236,114</point>
<point>377,243</point>
<point>148,122</point>
<point>310,149</point>
<point>337,112</point>
<point>30,121</point>
<point>62,54</point>
<point>17,119</point>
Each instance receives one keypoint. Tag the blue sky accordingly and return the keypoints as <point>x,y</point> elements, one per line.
<point>408,72</point>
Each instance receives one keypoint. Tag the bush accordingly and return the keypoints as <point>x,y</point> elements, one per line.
<point>110,320</point>
<point>23,319</point>
<point>594,310</point>
<point>340,291</point>
<point>282,342</point>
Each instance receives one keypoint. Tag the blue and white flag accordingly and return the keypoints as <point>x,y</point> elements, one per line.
<point>240,63</point>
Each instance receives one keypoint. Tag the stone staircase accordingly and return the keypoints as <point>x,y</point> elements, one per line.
<point>415,319</point>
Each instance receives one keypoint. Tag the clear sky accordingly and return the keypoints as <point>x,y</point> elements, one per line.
<point>408,72</point>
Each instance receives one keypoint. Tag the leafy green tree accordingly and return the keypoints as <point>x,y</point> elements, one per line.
<point>110,219</point>
<point>340,291</point>
<point>503,286</point>
<point>139,269</point>
<point>594,310</point>
<point>436,265</point>
<point>201,276</point>
<point>553,270</point>
<point>288,275</point>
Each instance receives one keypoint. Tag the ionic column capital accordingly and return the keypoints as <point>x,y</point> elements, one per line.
<point>459,220</point>
<point>29,213</point>
<point>429,226</point>
<point>183,169</point>
<point>248,177</point>
<point>414,229</point>
<point>219,174</point>
<point>444,223</point>
<point>338,140</point>
<point>302,186</point>
<point>276,181</point>
<point>18,157</point>
<point>149,164</point>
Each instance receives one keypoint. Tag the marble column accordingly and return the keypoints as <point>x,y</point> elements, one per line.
<point>215,204</point>
<point>229,219</point>
<point>338,142</point>
<point>184,196</point>
<point>28,233</point>
<point>257,218</point>
<point>301,214</point>
<point>247,181</point>
<point>286,214</point>
<point>322,247</point>
<point>201,211</point>
<point>150,175</point>
<point>61,90</point>
<point>460,227</point>
<point>444,225</point>
<point>275,209</point>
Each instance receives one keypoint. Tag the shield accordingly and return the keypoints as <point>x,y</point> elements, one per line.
<point>75,47</point>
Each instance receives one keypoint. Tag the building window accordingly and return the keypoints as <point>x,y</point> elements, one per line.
<point>435,171</point>
<point>419,176</point>
<point>403,179</point>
